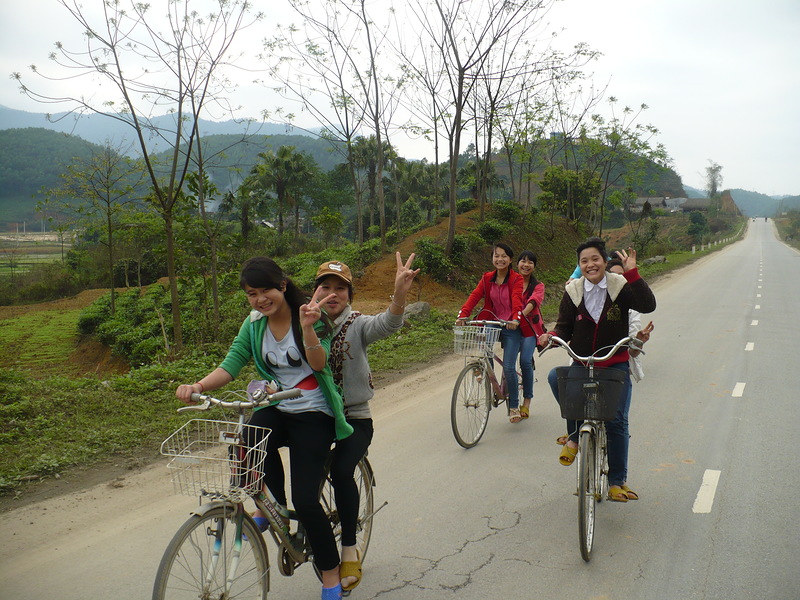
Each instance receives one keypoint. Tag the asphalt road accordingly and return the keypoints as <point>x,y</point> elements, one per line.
<point>714,434</point>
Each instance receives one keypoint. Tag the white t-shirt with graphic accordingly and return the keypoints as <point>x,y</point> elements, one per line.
<point>284,359</point>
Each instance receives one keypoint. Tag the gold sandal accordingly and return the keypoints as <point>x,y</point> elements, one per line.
<point>629,493</point>
<point>567,456</point>
<point>351,568</point>
<point>617,494</point>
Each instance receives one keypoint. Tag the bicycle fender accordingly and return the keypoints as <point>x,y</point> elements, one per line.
<point>204,508</point>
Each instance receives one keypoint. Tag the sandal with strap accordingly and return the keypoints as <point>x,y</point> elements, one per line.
<point>562,439</point>
<point>567,456</point>
<point>524,412</point>
<point>351,568</point>
<point>630,493</point>
<point>514,415</point>
<point>617,494</point>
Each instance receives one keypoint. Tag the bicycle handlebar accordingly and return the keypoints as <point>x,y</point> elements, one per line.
<point>258,400</point>
<point>499,322</point>
<point>626,341</point>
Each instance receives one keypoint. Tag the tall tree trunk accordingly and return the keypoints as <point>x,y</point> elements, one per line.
<point>177,329</point>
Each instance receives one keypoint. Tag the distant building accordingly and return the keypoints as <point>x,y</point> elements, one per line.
<point>725,203</point>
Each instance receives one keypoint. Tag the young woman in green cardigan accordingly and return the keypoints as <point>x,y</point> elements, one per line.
<point>288,339</point>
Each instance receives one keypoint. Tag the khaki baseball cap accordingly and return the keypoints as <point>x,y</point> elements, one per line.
<point>334,267</point>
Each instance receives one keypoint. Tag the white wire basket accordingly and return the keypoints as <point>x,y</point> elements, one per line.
<point>213,458</point>
<point>474,340</point>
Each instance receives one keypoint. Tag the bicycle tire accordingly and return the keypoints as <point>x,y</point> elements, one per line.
<point>365,481</point>
<point>587,492</point>
<point>602,463</point>
<point>471,404</point>
<point>189,569</point>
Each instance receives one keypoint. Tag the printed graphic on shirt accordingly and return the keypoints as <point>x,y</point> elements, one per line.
<point>614,313</point>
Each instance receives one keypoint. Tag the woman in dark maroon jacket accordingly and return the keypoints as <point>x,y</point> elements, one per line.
<point>593,314</point>
<point>501,292</point>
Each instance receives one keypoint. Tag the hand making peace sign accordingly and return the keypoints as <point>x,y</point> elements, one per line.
<point>310,313</point>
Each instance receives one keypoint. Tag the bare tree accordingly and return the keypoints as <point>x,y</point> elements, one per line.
<point>312,67</point>
<point>464,35</point>
<point>140,65</point>
<point>101,187</point>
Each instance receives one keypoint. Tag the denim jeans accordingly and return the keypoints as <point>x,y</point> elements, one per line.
<point>526,349</point>
<point>511,339</point>
<point>616,430</point>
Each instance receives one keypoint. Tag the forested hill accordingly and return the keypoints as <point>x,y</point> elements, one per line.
<point>33,158</point>
<point>754,204</point>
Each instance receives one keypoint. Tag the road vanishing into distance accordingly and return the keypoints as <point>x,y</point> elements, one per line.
<point>715,433</point>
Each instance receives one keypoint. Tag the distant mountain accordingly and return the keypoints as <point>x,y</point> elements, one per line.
<point>98,128</point>
<point>754,204</point>
<point>694,192</point>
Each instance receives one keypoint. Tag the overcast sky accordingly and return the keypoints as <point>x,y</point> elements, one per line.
<point>721,77</point>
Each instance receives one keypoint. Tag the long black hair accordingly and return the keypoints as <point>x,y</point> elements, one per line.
<point>264,273</point>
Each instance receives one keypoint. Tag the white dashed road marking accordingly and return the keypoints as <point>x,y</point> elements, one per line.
<point>738,390</point>
<point>749,347</point>
<point>705,495</point>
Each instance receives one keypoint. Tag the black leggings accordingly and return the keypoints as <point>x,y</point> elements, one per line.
<point>345,458</point>
<point>308,436</point>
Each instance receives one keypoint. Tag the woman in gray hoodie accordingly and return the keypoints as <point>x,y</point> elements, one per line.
<point>353,332</point>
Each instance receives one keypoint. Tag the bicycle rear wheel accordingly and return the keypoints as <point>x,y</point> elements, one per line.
<point>203,560</point>
<point>471,403</point>
<point>365,481</point>
<point>587,492</point>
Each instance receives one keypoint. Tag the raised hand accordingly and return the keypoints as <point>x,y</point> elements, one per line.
<point>628,258</point>
<point>405,274</point>
<point>310,313</point>
<point>644,334</point>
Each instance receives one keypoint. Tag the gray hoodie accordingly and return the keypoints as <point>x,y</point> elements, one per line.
<point>355,377</point>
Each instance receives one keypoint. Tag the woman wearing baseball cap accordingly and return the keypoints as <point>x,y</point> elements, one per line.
<point>352,333</point>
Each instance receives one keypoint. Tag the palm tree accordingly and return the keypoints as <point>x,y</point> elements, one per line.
<point>285,172</point>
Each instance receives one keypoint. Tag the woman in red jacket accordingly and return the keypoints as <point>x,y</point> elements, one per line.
<point>501,292</point>
<point>530,325</point>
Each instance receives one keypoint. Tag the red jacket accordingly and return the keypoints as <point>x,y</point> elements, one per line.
<point>532,324</point>
<point>514,286</point>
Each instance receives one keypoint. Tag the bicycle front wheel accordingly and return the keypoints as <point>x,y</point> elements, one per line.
<point>205,559</point>
<point>469,409</point>
<point>587,492</point>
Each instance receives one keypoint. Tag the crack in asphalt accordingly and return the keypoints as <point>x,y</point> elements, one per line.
<point>434,564</point>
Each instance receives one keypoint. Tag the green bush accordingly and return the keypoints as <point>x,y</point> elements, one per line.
<point>492,230</point>
<point>432,259</point>
<point>464,205</point>
<point>506,211</point>
<point>93,315</point>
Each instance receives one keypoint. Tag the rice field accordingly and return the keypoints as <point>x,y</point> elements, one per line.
<point>19,252</point>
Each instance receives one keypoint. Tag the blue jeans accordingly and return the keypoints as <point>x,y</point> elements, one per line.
<point>526,349</point>
<point>616,430</point>
<point>511,339</point>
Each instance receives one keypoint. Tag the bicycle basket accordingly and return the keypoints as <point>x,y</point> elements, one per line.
<point>474,340</point>
<point>214,458</point>
<point>572,396</point>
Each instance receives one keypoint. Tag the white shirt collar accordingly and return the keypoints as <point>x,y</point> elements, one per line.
<point>588,286</point>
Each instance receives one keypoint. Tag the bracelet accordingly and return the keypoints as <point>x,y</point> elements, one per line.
<point>202,387</point>
<point>314,347</point>
<point>397,304</point>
